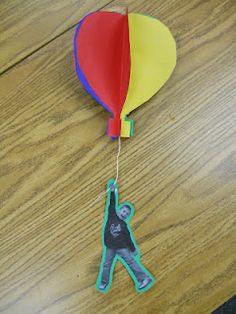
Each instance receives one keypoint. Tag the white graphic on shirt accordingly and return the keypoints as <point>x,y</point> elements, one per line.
<point>115,230</point>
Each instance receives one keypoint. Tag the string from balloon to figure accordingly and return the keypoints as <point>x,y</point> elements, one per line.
<point>122,60</point>
<point>116,179</point>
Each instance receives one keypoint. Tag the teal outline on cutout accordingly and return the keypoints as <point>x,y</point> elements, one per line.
<point>137,257</point>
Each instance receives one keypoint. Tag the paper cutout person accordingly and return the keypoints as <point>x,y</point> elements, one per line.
<point>119,243</point>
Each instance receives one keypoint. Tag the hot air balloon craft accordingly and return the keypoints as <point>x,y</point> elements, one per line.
<point>122,60</point>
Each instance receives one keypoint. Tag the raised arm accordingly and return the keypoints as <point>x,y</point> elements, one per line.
<point>112,200</point>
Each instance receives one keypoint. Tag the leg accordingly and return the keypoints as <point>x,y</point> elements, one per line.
<point>106,267</point>
<point>138,271</point>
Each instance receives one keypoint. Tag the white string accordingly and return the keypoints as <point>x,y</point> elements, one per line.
<point>117,174</point>
<point>117,160</point>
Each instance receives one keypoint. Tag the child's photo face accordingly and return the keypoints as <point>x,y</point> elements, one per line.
<point>124,212</point>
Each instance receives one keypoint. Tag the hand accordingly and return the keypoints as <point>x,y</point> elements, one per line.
<point>112,187</point>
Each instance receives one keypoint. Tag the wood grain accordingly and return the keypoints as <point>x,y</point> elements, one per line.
<point>179,170</point>
<point>27,25</point>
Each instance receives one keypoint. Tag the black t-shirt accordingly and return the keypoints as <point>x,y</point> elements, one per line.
<point>117,235</point>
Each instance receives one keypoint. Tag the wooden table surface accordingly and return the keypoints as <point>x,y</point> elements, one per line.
<point>179,169</point>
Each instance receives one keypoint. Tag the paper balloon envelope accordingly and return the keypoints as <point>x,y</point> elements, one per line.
<point>122,61</point>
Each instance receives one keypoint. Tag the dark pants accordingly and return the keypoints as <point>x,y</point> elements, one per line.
<point>127,256</point>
